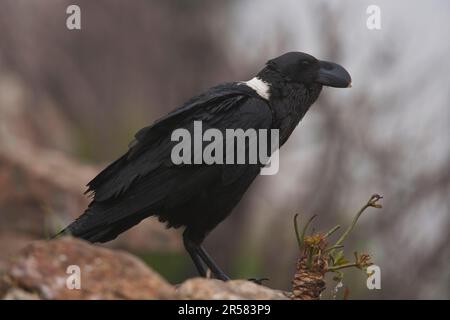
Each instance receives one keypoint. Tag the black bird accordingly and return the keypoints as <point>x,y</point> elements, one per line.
<point>145,182</point>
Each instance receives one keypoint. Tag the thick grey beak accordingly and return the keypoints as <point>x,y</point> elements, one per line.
<point>333,75</point>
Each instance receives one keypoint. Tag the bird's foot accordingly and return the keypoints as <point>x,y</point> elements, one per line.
<point>222,276</point>
<point>258,280</point>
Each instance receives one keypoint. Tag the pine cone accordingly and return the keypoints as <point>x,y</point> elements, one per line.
<point>308,284</point>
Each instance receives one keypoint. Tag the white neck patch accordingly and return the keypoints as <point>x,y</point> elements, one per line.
<point>261,87</point>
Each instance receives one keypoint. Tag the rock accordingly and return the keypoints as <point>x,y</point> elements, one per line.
<point>19,294</point>
<point>212,289</point>
<point>39,271</point>
<point>42,271</point>
<point>11,243</point>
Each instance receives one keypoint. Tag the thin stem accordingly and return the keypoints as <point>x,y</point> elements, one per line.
<point>329,233</point>
<point>347,265</point>
<point>297,233</point>
<point>305,228</point>
<point>333,247</point>
<point>371,203</point>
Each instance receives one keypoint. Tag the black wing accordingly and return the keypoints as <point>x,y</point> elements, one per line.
<point>145,178</point>
<point>226,106</point>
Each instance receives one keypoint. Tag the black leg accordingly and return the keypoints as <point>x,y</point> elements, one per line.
<point>200,257</point>
<point>191,248</point>
<point>211,264</point>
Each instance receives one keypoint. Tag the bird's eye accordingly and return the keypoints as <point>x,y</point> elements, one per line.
<point>305,62</point>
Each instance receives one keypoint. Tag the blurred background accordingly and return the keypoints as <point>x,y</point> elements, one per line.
<point>70,101</point>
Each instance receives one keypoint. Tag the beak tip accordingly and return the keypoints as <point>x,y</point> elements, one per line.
<point>333,75</point>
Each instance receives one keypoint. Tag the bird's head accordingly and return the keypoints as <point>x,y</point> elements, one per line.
<point>299,67</point>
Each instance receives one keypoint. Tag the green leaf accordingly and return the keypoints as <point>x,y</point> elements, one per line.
<point>297,233</point>
<point>338,256</point>
<point>305,228</point>
<point>341,261</point>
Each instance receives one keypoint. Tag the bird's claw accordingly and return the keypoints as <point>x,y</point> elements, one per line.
<point>258,280</point>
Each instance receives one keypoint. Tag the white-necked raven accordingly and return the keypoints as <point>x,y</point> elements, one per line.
<point>145,182</point>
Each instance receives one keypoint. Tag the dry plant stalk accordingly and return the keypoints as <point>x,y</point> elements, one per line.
<point>317,257</point>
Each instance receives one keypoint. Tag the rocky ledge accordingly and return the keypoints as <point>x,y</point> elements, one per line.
<point>68,268</point>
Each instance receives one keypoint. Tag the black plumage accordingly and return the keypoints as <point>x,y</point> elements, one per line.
<point>145,181</point>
